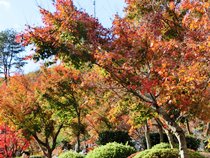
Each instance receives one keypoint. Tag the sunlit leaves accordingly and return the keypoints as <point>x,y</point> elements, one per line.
<point>159,51</point>
<point>70,34</point>
<point>12,141</point>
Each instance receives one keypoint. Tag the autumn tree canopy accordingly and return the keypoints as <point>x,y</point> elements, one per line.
<point>12,142</point>
<point>158,52</point>
<point>22,104</point>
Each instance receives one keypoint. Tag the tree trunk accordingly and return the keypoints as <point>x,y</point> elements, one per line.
<point>49,154</point>
<point>79,131</point>
<point>147,136</point>
<point>45,146</point>
<point>188,127</point>
<point>47,151</point>
<point>207,129</point>
<point>168,133</point>
<point>170,138</point>
<point>78,144</point>
<point>182,143</point>
<point>160,130</point>
<point>176,129</point>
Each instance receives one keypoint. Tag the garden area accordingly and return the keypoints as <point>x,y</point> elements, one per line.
<point>138,89</point>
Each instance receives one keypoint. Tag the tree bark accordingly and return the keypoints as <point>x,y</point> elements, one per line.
<point>78,112</point>
<point>147,136</point>
<point>79,131</point>
<point>160,130</point>
<point>168,133</point>
<point>170,138</point>
<point>45,145</point>
<point>49,153</point>
<point>182,143</point>
<point>188,127</point>
<point>176,129</point>
<point>78,143</point>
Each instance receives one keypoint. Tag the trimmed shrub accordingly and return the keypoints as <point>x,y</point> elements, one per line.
<point>111,150</point>
<point>114,136</point>
<point>163,151</point>
<point>142,153</point>
<point>71,154</point>
<point>161,146</point>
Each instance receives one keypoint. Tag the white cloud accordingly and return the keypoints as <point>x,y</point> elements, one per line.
<point>5,4</point>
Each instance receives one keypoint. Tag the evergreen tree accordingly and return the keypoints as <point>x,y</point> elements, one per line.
<point>10,58</point>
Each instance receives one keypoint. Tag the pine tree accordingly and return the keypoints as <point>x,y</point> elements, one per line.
<point>10,58</point>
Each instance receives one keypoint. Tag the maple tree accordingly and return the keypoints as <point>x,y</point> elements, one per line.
<point>79,93</point>
<point>156,60</point>
<point>62,88</point>
<point>12,142</point>
<point>105,102</point>
<point>21,105</point>
<point>71,32</point>
<point>158,52</point>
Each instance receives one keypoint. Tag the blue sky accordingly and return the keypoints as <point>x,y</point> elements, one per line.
<point>18,13</point>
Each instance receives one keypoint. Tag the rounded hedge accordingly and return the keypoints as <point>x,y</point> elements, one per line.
<point>111,150</point>
<point>160,153</point>
<point>142,153</point>
<point>71,154</point>
<point>165,153</point>
<point>161,146</point>
<point>163,150</point>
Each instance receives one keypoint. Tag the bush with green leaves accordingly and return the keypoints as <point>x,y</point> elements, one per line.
<point>71,154</point>
<point>160,153</point>
<point>114,136</point>
<point>111,150</point>
<point>161,146</point>
<point>163,150</point>
<point>142,153</point>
